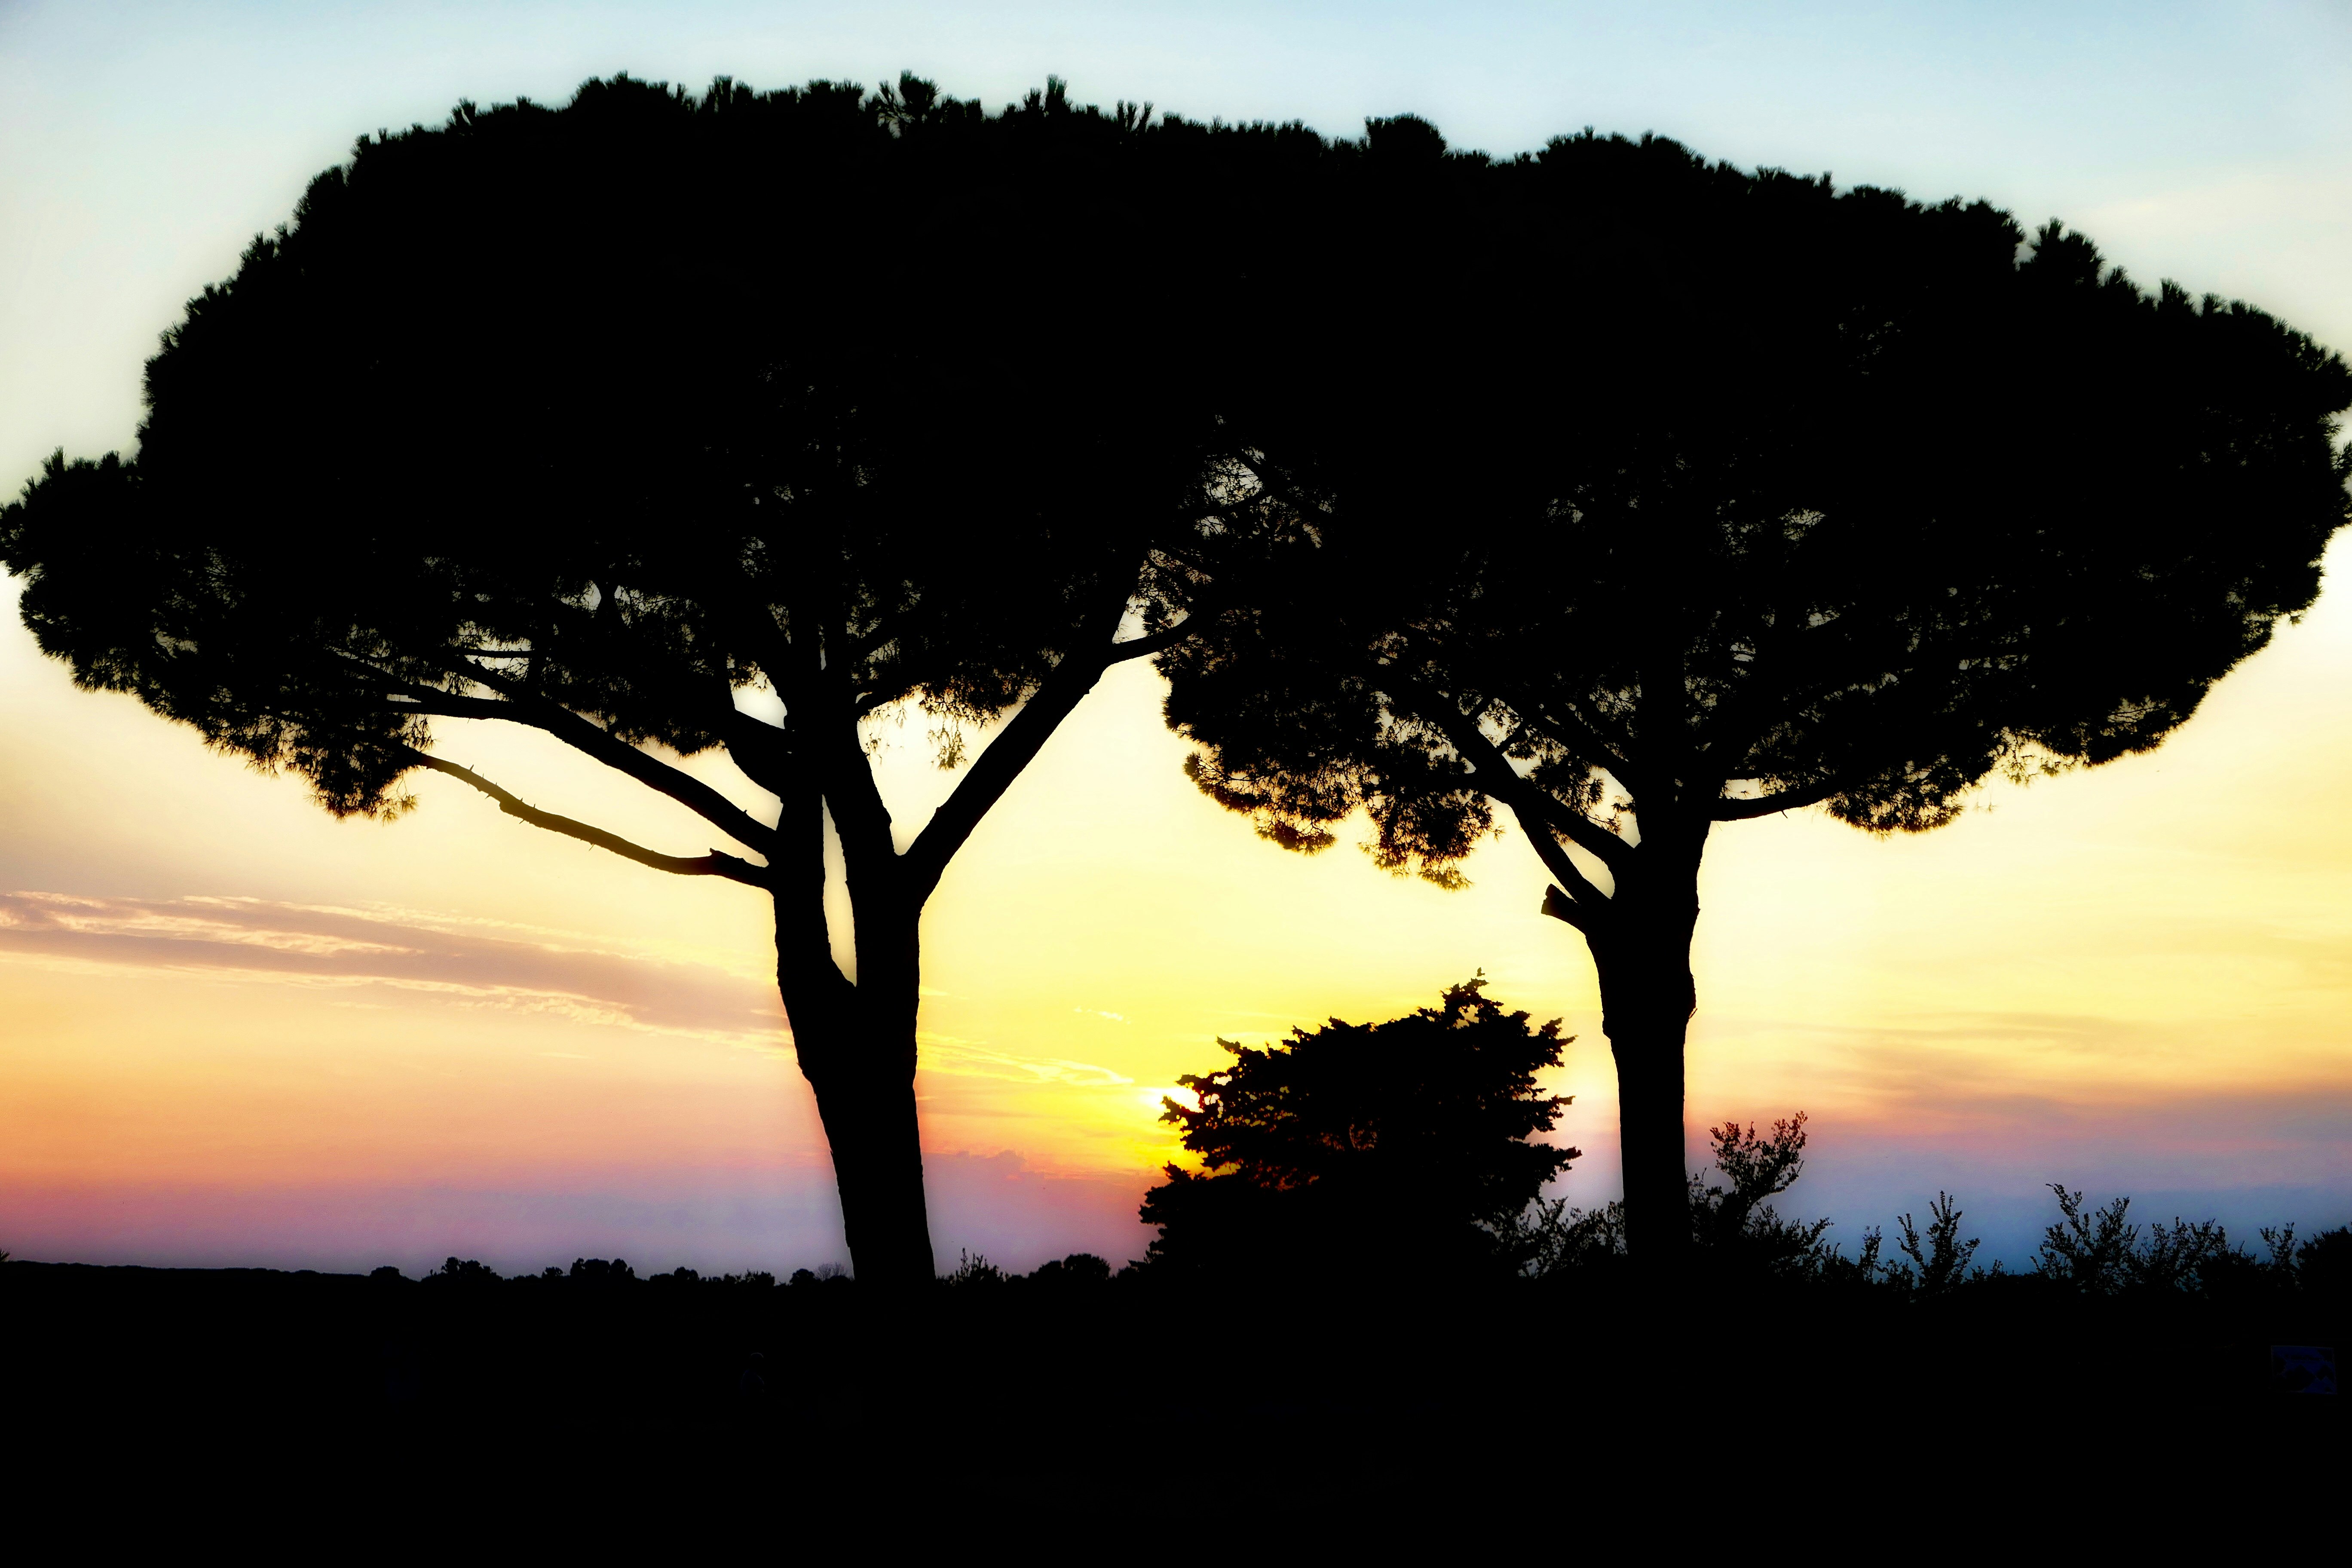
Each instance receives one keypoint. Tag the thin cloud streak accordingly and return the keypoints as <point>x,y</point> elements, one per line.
<point>264,941</point>
<point>967,1058</point>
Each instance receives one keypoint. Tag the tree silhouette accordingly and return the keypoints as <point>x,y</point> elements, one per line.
<point>1363,1146</point>
<point>2100,1252</point>
<point>667,424</point>
<point>1650,494</point>
<point>1940,1261</point>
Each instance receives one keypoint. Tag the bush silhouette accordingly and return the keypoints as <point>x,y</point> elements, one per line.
<point>1736,1227</point>
<point>1079,1271</point>
<point>1939,1260</point>
<point>2102,1252</point>
<point>1362,1147</point>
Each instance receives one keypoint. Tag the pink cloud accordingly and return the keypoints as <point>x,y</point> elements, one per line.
<point>307,943</point>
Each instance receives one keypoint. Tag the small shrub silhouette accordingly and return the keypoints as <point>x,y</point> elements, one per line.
<point>1939,1260</point>
<point>974,1271</point>
<point>1356,1145</point>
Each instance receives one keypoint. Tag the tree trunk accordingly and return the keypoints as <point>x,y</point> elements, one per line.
<point>866,1098</point>
<point>1647,995</point>
<point>855,1042</point>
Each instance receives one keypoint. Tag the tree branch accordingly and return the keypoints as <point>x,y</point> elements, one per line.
<point>517,706</point>
<point>1591,745</point>
<point>811,981</point>
<point>711,865</point>
<point>1272,485</point>
<point>1561,906</point>
<point>1582,890</point>
<point>1167,637</point>
<point>1780,674</point>
<point>1596,745</point>
<point>751,618</point>
<point>1536,808</point>
<point>1001,762</point>
<point>993,771</point>
<point>1590,739</point>
<point>1539,817</point>
<point>855,651</point>
<point>1727,809</point>
<point>763,750</point>
<point>860,816</point>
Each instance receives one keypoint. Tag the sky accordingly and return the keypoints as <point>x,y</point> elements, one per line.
<point>233,1031</point>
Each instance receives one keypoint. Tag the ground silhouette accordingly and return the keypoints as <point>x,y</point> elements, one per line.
<point>1399,1389</point>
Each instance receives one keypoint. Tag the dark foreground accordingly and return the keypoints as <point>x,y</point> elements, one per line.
<point>723,1402</point>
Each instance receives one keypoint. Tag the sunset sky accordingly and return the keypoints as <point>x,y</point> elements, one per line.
<point>233,1031</point>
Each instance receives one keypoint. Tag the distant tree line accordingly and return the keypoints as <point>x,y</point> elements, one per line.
<point>2091,1253</point>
